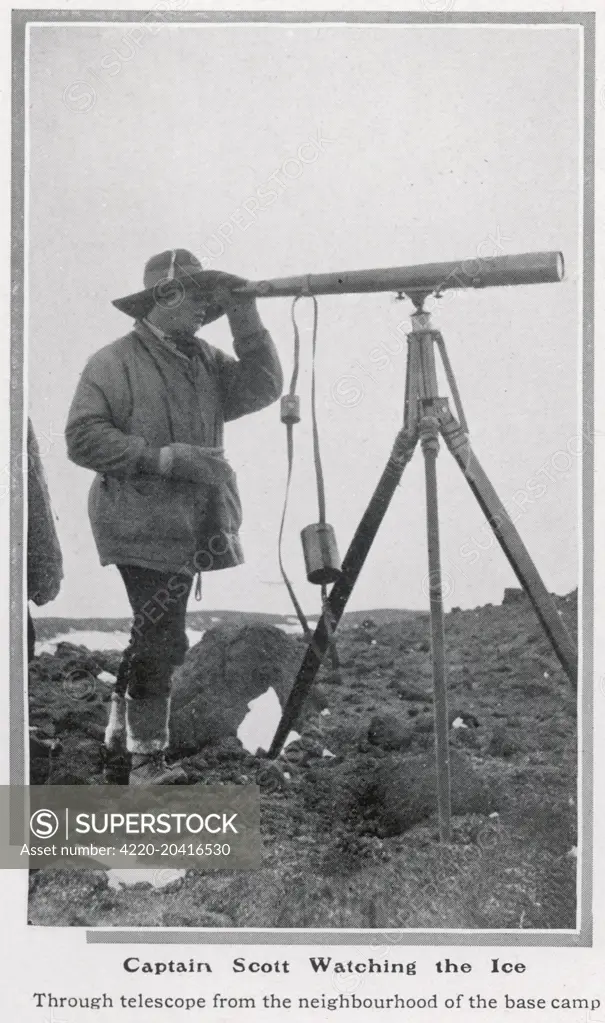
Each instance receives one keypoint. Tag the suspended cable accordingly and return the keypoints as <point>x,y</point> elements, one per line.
<point>319,543</point>
<point>290,415</point>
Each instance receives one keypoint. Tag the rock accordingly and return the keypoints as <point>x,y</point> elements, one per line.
<point>465,737</point>
<point>387,732</point>
<point>272,777</point>
<point>72,657</point>
<point>406,792</point>
<point>228,668</point>
<point>502,743</point>
<point>414,695</point>
<point>197,764</point>
<point>462,719</point>
<point>424,723</point>
<point>108,659</point>
<point>81,884</point>
<point>76,760</point>
<point>388,795</point>
<point>303,750</point>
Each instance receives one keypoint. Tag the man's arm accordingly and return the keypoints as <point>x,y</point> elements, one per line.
<point>254,379</point>
<point>94,440</point>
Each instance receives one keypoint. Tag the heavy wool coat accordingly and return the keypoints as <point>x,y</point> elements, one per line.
<point>141,392</point>
<point>44,559</point>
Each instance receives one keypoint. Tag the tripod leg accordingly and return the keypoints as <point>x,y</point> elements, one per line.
<point>429,433</point>
<point>341,591</point>
<point>335,659</point>
<point>511,543</point>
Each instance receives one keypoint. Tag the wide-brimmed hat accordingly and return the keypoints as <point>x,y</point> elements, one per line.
<point>161,273</point>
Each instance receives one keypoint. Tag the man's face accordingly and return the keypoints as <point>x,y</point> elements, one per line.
<point>184,310</point>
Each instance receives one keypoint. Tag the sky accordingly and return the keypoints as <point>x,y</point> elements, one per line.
<point>272,150</point>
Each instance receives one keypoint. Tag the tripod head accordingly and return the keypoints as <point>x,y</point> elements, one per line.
<point>418,297</point>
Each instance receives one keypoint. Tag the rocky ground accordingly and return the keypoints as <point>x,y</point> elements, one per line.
<point>350,841</point>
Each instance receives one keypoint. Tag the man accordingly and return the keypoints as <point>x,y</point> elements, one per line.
<point>148,418</point>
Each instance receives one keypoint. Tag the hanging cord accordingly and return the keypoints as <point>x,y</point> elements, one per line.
<point>290,450</point>
<point>290,420</point>
<point>321,494</point>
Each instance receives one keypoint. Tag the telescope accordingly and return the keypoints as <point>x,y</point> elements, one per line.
<point>427,420</point>
<point>420,281</point>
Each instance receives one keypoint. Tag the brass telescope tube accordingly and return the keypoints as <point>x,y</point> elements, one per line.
<point>495,271</point>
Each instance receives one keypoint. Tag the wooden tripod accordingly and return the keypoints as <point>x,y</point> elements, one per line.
<point>427,416</point>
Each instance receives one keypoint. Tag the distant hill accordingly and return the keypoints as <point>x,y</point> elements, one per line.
<point>47,628</point>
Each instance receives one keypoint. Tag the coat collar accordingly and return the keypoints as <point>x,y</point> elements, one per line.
<point>151,335</point>
<point>148,332</point>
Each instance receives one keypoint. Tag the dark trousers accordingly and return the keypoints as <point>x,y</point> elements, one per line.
<point>158,641</point>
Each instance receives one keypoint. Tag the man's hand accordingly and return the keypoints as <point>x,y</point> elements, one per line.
<point>191,463</point>
<point>217,287</point>
<point>240,309</point>
<point>195,464</point>
<point>227,297</point>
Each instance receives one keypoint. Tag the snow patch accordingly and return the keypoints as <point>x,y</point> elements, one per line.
<point>160,878</point>
<point>292,626</point>
<point>260,723</point>
<point>99,640</point>
<point>194,636</point>
<point>106,676</point>
<point>93,639</point>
